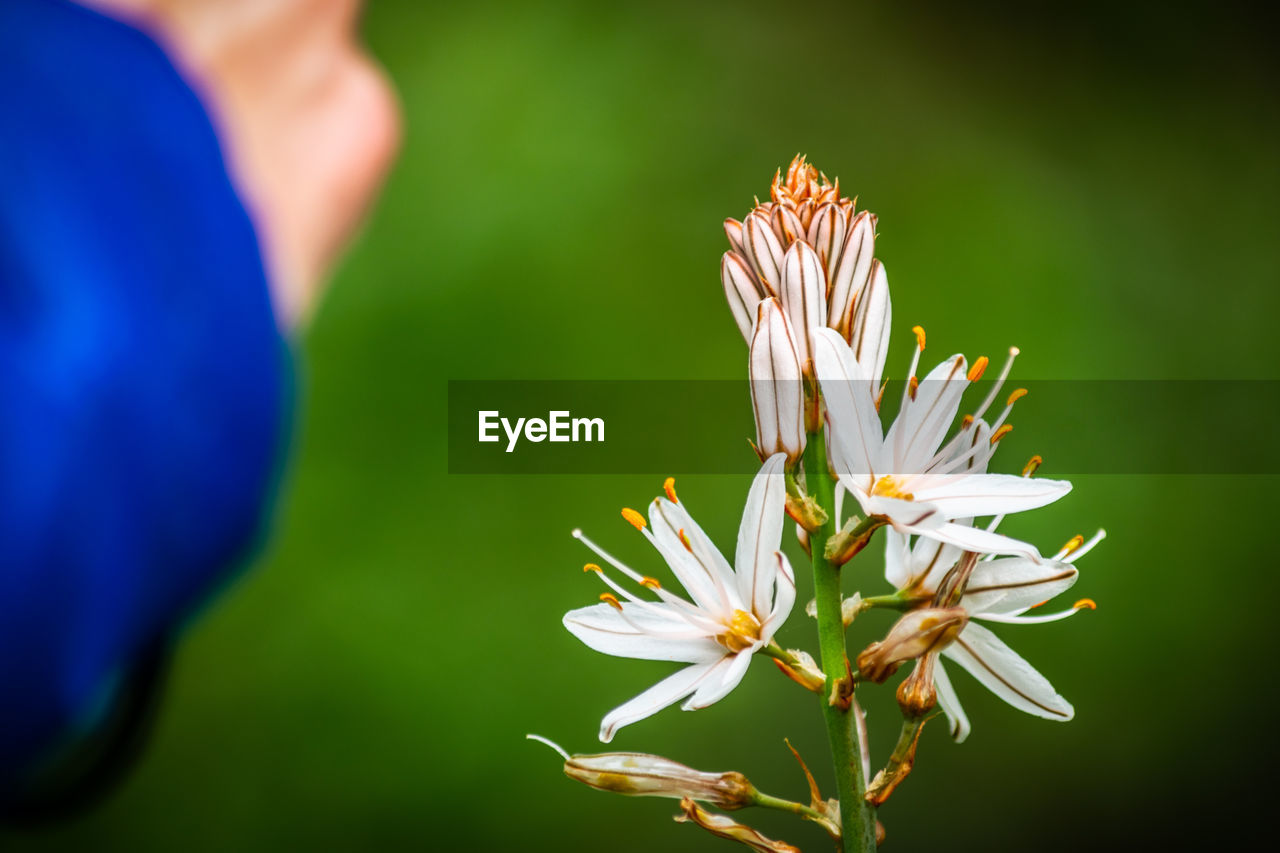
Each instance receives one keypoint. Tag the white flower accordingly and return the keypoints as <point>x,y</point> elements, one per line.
<point>906,475</point>
<point>998,590</point>
<point>732,613</point>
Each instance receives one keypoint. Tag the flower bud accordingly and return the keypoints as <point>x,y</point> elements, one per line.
<point>928,629</point>
<point>718,824</point>
<point>916,694</point>
<point>777,393</point>
<point>639,774</point>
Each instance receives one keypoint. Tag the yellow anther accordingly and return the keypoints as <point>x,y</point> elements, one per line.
<point>592,567</point>
<point>743,632</point>
<point>979,367</point>
<point>912,385</point>
<point>652,583</point>
<point>880,396</point>
<point>1076,542</point>
<point>684,540</point>
<point>611,600</point>
<point>634,518</point>
<point>669,486</point>
<point>888,487</point>
<point>1018,394</point>
<point>1085,603</point>
<point>1001,433</point>
<point>919,330</point>
<point>966,422</point>
<point>1032,465</point>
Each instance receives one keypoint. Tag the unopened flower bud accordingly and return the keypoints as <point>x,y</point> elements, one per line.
<point>921,631</point>
<point>777,393</point>
<point>639,774</point>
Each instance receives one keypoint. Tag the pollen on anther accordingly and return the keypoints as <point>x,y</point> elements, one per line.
<point>979,367</point>
<point>912,386</point>
<point>919,330</point>
<point>1018,394</point>
<point>1001,433</point>
<point>966,422</point>
<point>880,396</point>
<point>684,540</point>
<point>592,567</point>
<point>1076,542</point>
<point>633,518</point>
<point>611,600</point>
<point>669,486</point>
<point>1032,465</point>
<point>1085,604</point>
<point>651,583</point>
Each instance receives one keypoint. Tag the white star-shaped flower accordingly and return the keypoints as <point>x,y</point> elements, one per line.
<point>907,475</point>
<point>734,612</point>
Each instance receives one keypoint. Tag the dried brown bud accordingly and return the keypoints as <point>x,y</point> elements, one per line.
<point>915,634</point>
<point>916,694</point>
<point>726,827</point>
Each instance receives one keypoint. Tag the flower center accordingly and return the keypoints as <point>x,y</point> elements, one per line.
<point>743,632</point>
<point>888,487</point>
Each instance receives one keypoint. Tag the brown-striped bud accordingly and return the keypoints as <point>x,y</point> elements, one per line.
<point>639,774</point>
<point>917,633</point>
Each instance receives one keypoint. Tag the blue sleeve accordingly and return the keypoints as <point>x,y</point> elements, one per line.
<point>144,383</point>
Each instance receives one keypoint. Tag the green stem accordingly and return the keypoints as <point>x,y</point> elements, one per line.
<point>857,818</point>
<point>765,801</point>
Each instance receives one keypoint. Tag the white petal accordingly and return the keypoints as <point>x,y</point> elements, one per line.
<point>700,568</point>
<point>804,298</point>
<point>670,690</point>
<point>742,290</point>
<point>851,408</point>
<point>906,516</point>
<point>760,535</point>
<point>897,553</point>
<point>869,331</point>
<point>784,598</point>
<point>1012,584</point>
<point>849,274</point>
<point>1002,671</point>
<point>918,431</point>
<point>647,636</point>
<point>950,703</point>
<point>969,495</point>
<point>725,675</point>
<point>931,560</point>
<point>777,391</point>
<point>969,538</point>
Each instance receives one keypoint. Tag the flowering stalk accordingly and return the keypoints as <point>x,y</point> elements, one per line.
<point>857,818</point>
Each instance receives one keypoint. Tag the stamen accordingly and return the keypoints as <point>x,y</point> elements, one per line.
<point>652,583</point>
<point>919,330</point>
<point>611,600</point>
<point>880,396</point>
<point>669,486</point>
<point>1088,546</point>
<point>1001,433</point>
<point>979,367</point>
<point>634,518</point>
<point>592,567</point>
<point>1033,465</point>
<point>1085,603</point>
<point>995,389</point>
<point>1074,543</point>
<point>1017,395</point>
<point>912,386</point>
<point>684,540</point>
<point>966,422</point>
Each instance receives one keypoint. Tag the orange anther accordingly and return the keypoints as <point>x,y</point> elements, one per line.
<point>652,583</point>
<point>1001,433</point>
<point>592,567</point>
<point>611,600</point>
<point>880,396</point>
<point>1083,603</point>
<point>919,330</point>
<point>912,386</point>
<point>684,540</point>
<point>1032,465</point>
<point>634,518</point>
<point>1076,542</point>
<point>1018,394</point>
<point>966,422</point>
<point>979,366</point>
<point>669,486</point>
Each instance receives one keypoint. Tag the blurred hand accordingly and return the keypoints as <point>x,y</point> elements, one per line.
<point>308,122</point>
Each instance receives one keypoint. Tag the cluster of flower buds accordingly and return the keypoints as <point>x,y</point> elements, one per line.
<point>800,262</point>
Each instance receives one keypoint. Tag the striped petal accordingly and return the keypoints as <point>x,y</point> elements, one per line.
<point>641,633</point>
<point>1005,673</point>
<point>760,535</point>
<point>666,692</point>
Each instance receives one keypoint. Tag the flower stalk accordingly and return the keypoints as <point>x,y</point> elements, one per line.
<point>857,817</point>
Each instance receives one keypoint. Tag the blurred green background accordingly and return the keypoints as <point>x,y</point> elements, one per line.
<point>1097,188</point>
